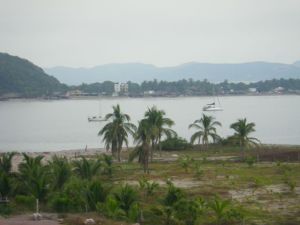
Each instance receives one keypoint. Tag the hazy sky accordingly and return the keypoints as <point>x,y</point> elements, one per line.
<point>162,32</point>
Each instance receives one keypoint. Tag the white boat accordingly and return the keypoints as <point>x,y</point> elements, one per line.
<point>213,106</point>
<point>96,119</point>
<point>99,117</point>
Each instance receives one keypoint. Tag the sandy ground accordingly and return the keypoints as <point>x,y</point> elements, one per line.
<point>26,220</point>
<point>70,154</point>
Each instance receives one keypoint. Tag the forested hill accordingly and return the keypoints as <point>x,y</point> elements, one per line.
<point>21,78</point>
<point>138,72</point>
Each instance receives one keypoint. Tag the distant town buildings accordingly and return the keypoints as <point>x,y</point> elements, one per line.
<point>120,88</point>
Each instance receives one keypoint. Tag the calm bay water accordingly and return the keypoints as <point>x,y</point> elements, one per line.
<point>59,125</point>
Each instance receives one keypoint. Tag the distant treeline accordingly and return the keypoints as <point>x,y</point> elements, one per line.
<point>192,87</point>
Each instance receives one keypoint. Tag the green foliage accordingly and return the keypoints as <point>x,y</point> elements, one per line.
<point>134,212</point>
<point>148,186</point>
<point>163,215</point>
<point>206,129</point>
<point>250,160</point>
<point>175,143</point>
<point>96,193</point>
<point>110,208</point>
<point>220,209</point>
<point>5,210</point>
<point>107,164</point>
<point>241,135</point>
<point>34,176</point>
<point>189,210</point>
<point>115,131</point>
<point>60,202</point>
<point>126,196</point>
<point>198,170</point>
<point>23,78</point>
<point>60,171</point>
<point>27,201</point>
<point>173,195</point>
<point>76,191</point>
<point>86,169</point>
<point>185,162</point>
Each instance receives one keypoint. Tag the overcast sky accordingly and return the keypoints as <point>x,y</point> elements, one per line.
<point>161,32</point>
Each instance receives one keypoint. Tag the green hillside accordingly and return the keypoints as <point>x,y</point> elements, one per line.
<point>22,78</point>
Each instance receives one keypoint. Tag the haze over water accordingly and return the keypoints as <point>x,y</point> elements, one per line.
<point>34,125</point>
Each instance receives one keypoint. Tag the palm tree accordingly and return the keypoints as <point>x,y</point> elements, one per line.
<point>6,162</point>
<point>220,208</point>
<point>5,175</point>
<point>86,169</point>
<point>206,127</point>
<point>142,139</point>
<point>242,131</point>
<point>126,197</point>
<point>33,176</point>
<point>60,172</point>
<point>115,132</point>
<point>158,122</point>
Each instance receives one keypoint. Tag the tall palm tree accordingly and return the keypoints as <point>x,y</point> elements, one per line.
<point>158,127</point>
<point>206,127</point>
<point>115,132</point>
<point>143,141</point>
<point>34,177</point>
<point>241,135</point>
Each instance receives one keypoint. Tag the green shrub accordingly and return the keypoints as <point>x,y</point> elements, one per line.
<point>175,143</point>
<point>25,201</point>
<point>95,193</point>
<point>110,208</point>
<point>188,211</point>
<point>250,161</point>
<point>126,196</point>
<point>174,194</point>
<point>5,209</point>
<point>59,202</point>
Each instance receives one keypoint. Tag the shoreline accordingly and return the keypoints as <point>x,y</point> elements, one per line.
<point>143,97</point>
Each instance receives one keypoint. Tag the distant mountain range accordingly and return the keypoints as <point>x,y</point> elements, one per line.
<point>21,78</point>
<point>138,72</point>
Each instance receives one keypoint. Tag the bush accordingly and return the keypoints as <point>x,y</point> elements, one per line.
<point>110,208</point>
<point>26,201</point>
<point>5,209</point>
<point>175,143</point>
<point>174,194</point>
<point>60,203</point>
<point>250,161</point>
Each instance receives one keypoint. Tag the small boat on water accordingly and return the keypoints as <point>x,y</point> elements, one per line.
<point>96,119</point>
<point>213,106</point>
<point>99,117</point>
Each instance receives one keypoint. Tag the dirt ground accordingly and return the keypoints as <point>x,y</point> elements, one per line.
<point>26,220</point>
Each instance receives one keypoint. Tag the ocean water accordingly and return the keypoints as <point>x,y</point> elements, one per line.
<point>36,125</point>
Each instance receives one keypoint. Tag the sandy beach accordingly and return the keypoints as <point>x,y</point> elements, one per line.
<point>69,154</point>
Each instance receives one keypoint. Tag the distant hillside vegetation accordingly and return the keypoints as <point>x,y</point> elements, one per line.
<point>22,78</point>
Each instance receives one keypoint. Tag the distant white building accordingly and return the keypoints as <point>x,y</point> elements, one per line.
<point>253,90</point>
<point>117,87</point>
<point>120,87</point>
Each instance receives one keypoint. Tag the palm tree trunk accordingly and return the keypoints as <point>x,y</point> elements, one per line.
<point>152,149</point>
<point>159,147</point>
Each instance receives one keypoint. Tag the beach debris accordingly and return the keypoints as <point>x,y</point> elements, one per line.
<point>37,216</point>
<point>89,221</point>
